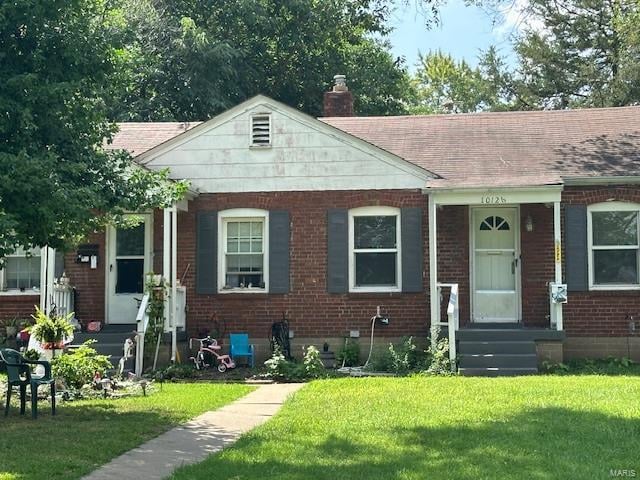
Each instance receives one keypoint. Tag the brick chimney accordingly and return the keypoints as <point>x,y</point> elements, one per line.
<point>338,102</point>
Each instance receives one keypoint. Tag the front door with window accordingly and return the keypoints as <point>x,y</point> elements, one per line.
<point>495,266</point>
<point>128,260</point>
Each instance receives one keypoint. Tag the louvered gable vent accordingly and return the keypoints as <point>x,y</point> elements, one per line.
<point>261,130</point>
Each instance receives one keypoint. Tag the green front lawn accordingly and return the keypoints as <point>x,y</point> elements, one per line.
<point>86,434</point>
<point>540,427</point>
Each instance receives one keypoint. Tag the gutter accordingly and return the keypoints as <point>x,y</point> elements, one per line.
<point>555,187</point>
<point>602,180</point>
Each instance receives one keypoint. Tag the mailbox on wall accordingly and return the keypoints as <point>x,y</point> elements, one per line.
<point>88,253</point>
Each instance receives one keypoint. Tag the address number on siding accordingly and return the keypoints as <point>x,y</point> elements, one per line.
<point>493,199</point>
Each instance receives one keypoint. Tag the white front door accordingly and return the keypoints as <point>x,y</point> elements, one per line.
<point>128,260</point>
<point>495,268</point>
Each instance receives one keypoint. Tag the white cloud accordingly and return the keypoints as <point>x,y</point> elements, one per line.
<point>514,16</point>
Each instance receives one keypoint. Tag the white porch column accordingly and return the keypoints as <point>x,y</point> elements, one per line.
<point>557,238</point>
<point>174,281</point>
<point>47,272</point>
<point>434,298</point>
<point>166,257</point>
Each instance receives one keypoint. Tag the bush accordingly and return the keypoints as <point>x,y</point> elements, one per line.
<point>79,367</point>
<point>380,361</point>
<point>588,366</point>
<point>279,368</point>
<point>31,354</point>
<point>313,366</point>
<point>349,355</point>
<point>405,357</point>
<point>438,362</point>
<point>176,371</point>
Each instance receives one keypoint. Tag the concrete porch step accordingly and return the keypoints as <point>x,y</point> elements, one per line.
<point>497,372</point>
<point>101,337</point>
<point>514,346</point>
<point>507,334</point>
<point>490,360</point>
<point>119,328</point>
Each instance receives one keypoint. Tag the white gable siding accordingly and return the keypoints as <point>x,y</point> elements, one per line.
<point>301,157</point>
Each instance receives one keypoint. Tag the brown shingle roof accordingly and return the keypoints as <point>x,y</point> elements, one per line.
<point>477,149</point>
<point>510,148</point>
<point>138,137</point>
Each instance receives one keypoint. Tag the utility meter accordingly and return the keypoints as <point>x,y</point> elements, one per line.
<point>558,292</point>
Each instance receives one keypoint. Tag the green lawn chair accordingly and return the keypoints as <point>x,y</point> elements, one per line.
<point>19,375</point>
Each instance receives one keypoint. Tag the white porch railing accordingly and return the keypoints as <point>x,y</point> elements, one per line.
<point>142,321</point>
<point>453,319</point>
<point>63,298</point>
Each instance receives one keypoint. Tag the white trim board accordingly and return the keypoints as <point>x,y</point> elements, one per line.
<point>496,197</point>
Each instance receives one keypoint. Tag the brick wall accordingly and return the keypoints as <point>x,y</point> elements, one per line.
<point>537,263</point>
<point>315,313</point>
<point>453,256</point>
<point>601,313</point>
<point>89,283</point>
<point>312,311</point>
<point>21,306</point>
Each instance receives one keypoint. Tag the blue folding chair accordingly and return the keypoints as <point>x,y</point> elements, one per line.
<point>240,347</point>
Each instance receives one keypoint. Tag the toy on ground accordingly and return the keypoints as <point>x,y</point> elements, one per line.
<point>208,354</point>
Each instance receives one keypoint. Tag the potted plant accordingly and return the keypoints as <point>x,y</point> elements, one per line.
<point>51,331</point>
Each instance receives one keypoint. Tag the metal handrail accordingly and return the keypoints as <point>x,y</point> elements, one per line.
<point>453,319</point>
<point>142,321</point>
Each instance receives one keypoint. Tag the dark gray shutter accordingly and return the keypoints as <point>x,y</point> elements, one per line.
<point>207,252</point>
<point>576,251</point>
<point>58,268</point>
<point>278,251</point>
<point>337,250</point>
<point>411,238</point>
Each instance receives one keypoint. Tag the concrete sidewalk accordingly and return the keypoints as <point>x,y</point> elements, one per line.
<point>195,440</point>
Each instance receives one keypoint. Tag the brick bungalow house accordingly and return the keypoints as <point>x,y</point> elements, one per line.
<point>324,219</point>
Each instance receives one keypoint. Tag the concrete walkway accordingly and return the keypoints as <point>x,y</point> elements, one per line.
<point>197,439</point>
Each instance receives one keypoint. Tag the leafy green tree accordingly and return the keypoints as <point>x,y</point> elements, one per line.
<point>57,183</point>
<point>191,59</point>
<point>579,53</point>
<point>445,85</point>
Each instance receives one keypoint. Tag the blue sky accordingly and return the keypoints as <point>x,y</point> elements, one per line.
<point>463,32</point>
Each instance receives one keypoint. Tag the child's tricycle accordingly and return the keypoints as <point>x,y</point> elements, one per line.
<point>207,355</point>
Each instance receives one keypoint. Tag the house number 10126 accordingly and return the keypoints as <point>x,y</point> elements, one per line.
<point>493,199</point>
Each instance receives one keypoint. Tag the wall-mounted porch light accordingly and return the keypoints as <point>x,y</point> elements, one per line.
<point>528,223</point>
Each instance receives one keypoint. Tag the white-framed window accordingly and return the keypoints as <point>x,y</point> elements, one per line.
<point>243,254</point>
<point>260,130</point>
<point>613,236</point>
<point>374,249</point>
<point>21,272</point>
